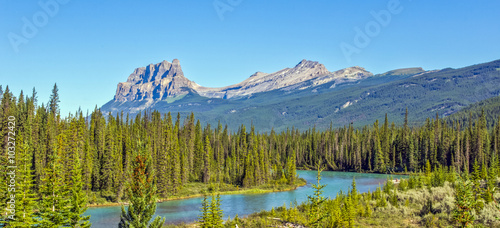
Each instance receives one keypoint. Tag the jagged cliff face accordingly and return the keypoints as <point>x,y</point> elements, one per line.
<point>163,80</point>
<point>154,82</point>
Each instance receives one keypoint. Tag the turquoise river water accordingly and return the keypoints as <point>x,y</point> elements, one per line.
<point>187,210</point>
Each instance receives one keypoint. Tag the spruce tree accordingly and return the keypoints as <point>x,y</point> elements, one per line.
<point>78,202</point>
<point>205,220</point>
<point>54,101</point>
<point>25,195</point>
<point>211,213</point>
<point>207,158</point>
<point>292,172</point>
<point>465,204</point>
<point>316,214</point>
<point>142,194</point>
<point>379,153</point>
<point>348,212</point>
<point>53,194</point>
<point>216,212</point>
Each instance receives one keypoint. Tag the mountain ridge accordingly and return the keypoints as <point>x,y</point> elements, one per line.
<point>163,80</point>
<point>337,102</point>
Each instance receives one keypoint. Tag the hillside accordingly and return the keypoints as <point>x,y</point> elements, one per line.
<point>491,108</point>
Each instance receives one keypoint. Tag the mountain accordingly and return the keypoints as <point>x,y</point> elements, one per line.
<point>289,78</point>
<point>166,80</point>
<point>309,95</point>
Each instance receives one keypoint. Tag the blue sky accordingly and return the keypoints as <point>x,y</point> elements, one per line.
<point>87,47</point>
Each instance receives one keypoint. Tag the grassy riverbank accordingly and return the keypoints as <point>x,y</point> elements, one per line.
<point>196,189</point>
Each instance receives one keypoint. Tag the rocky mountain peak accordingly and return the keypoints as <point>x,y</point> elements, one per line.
<point>313,68</point>
<point>258,74</point>
<point>156,81</point>
<point>307,64</point>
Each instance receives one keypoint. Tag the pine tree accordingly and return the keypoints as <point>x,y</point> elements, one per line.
<point>465,204</point>
<point>54,101</point>
<point>316,214</point>
<point>25,203</point>
<point>53,195</point>
<point>368,210</point>
<point>216,212</point>
<point>354,192</point>
<point>207,158</point>
<point>379,153</point>
<point>142,195</point>
<point>78,203</point>
<point>292,173</point>
<point>348,212</point>
<point>211,213</point>
<point>205,220</point>
<point>272,213</point>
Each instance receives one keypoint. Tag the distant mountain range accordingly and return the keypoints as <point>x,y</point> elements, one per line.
<point>308,95</point>
<point>164,80</point>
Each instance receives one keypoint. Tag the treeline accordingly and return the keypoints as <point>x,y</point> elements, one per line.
<point>182,150</point>
<point>49,148</point>
<point>387,147</point>
<point>41,176</point>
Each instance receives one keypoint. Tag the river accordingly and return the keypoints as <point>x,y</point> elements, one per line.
<point>187,210</point>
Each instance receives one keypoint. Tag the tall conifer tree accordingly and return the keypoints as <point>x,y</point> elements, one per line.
<point>142,195</point>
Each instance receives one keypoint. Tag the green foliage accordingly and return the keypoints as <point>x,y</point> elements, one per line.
<point>381,202</point>
<point>403,185</point>
<point>25,196</point>
<point>490,106</point>
<point>205,220</point>
<point>465,204</point>
<point>437,178</point>
<point>368,210</point>
<point>389,185</point>
<point>183,153</point>
<point>142,194</point>
<point>216,212</point>
<point>272,212</point>
<point>78,202</point>
<point>53,210</point>
<point>377,194</point>
<point>393,199</point>
<point>316,212</point>
<point>211,214</point>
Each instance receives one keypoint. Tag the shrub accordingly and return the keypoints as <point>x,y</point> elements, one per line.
<point>429,220</point>
<point>488,215</point>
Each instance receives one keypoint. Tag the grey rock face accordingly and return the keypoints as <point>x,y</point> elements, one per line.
<point>163,80</point>
<point>156,81</point>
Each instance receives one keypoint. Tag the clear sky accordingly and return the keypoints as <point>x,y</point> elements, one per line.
<point>87,47</point>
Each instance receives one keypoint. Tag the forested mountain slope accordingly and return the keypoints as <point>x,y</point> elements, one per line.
<point>491,108</point>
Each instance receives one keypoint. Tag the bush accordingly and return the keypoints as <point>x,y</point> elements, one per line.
<point>429,220</point>
<point>446,205</point>
<point>403,185</point>
<point>389,186</point>
<point>415,196</point>
<point>439,193</point>
<point>488,215</point>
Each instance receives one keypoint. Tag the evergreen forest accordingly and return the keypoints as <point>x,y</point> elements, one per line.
<point>63,163</point>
